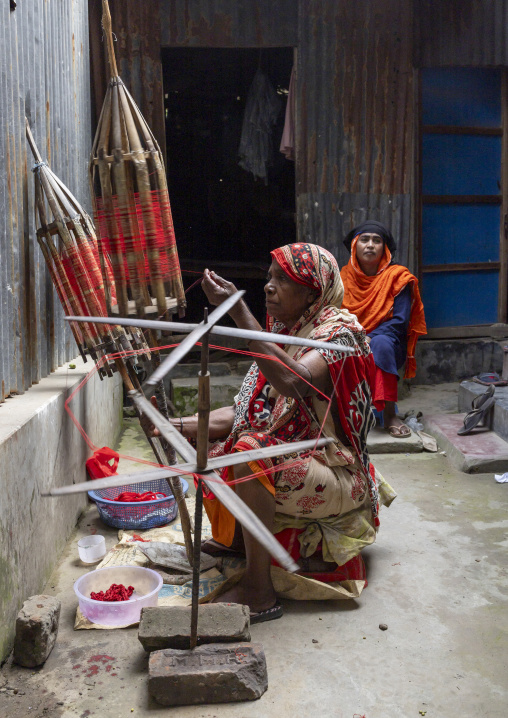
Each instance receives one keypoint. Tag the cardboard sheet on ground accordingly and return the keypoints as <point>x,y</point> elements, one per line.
<point>212,582</point>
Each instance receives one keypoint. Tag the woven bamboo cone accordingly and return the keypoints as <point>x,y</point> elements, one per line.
<point>126,160</point>
<point>67,225</point>
<point>63,226</point>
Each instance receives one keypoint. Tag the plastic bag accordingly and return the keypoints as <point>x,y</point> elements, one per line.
<point>413,424</point>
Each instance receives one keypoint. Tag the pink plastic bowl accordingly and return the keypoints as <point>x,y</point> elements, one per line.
<point>147,584</point>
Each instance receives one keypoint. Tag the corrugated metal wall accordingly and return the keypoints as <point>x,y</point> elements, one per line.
<point>44,66</point>
<point>461,33</point>
<point>355,101</point>
<point>229,23</point>
<point>355,128</point>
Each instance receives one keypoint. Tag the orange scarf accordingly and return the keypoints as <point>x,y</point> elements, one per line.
<point>371,298</point>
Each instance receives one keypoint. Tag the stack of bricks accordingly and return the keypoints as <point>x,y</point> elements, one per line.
<point>223,668</point>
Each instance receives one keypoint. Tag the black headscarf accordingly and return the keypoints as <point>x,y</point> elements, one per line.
<point>372,227</point>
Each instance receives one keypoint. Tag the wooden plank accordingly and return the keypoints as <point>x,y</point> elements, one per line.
<point>494,331</point>
<point>242,270</point>
<point>462,267</point>
<point>461,199</point>
<point>502,307</point>
<point>448,130</point>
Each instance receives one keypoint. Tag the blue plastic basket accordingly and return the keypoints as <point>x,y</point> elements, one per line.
<point>137,514</point>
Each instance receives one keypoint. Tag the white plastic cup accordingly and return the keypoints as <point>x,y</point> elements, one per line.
<point>92,548</point>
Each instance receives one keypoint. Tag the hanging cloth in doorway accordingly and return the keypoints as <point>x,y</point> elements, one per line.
<point>261,112</point>
<point>287,143</point>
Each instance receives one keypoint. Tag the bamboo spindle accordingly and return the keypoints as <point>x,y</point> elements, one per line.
<point>132,384</point>
<point>126,164</point>
<point>108,32</point>
<point>71,224</point>
<point>176,288</point>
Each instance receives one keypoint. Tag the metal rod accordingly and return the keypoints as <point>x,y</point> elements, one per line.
<point>186,345</point>
<point>184,328</point>
<point>219,462</point>
<point>196,566</point>
<point>222,491</point>
<point>203,403</point>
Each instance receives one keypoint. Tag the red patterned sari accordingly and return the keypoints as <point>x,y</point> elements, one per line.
<point>329,498</point>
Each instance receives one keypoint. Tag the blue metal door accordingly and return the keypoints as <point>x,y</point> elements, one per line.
<point>461,147</point>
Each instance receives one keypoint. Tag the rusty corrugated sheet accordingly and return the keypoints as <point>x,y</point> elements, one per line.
<point>137,30</point>
<point>461,33</point>
<point>44,65</point>
<point>354,119</point>
<point>229,23</point>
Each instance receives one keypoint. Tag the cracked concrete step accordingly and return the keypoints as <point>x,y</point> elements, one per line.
<point>483,451</point>
<point>379,441</point>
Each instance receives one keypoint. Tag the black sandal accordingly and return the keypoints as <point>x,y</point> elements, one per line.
<point>480,400</point>
<point>474,417</point>
<point>269,614</point>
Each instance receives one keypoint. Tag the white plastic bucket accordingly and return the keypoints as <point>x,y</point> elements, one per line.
<point>92,548</point>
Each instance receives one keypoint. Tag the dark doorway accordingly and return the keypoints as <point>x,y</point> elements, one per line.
<point>225,218</point>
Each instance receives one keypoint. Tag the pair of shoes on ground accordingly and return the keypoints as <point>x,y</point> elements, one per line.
<point>481,405</point>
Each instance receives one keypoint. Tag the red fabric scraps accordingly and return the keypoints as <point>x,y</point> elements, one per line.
<point>116,592</point>
<point>128,496</point>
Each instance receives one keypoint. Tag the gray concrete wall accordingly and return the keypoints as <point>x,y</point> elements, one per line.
<point>440,361</point>
<point>40,448</point>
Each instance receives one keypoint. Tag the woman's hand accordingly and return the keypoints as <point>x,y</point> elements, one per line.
<point>216,288</point>
<point>150,430</point>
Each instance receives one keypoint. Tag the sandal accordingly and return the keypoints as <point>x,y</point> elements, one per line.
<point>488,378</point>
<point>474,417</point>
<point>215,549</point>
<point>398,431</point>
<point>480,400</point>
<point>269,614</point>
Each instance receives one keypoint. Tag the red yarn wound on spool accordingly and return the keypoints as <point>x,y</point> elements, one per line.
<point>127,496</point>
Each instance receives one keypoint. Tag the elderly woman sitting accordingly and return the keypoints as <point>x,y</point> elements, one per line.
<point>328,500</point>
<point>385,299</point>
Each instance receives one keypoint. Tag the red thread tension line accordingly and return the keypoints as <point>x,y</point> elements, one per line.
<point>278,467</point>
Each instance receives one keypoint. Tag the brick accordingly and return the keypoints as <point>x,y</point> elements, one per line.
<point>169,626</point>
<point>36,630</point>
<point>214,673</point>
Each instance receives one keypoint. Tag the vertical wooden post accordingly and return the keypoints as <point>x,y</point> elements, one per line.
<point>202,460</point>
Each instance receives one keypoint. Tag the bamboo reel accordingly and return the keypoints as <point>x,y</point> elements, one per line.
<point>131,203</point>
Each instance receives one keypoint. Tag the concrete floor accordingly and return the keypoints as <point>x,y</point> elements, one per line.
<point>437,576</point>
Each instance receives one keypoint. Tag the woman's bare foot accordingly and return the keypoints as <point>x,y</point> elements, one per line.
<point>393,425</point>
<point>257,598</point>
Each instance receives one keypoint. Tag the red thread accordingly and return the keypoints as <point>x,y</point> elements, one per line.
<point>274,469</point>
<point>116,592</point>
<point>139,236</point>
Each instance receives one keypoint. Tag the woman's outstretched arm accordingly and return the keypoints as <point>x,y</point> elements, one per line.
<point>312,367</point>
